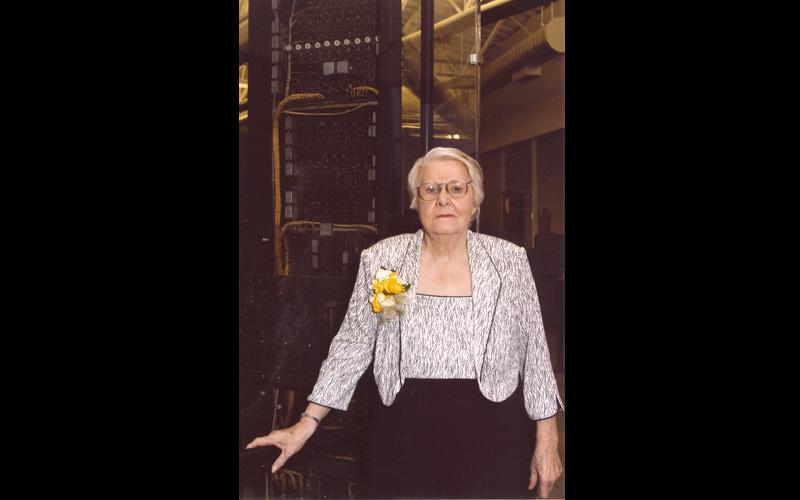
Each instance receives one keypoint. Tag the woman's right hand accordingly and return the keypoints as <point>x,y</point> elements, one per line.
<point>289,440</point>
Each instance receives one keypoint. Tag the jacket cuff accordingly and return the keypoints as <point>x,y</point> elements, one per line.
<point>320,399</point>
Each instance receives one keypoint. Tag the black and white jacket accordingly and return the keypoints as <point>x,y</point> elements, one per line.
<point>506,321</point>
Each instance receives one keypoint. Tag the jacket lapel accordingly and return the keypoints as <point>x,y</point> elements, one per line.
<point>409,267</point>
<point>486,286</point>
<point>409,272</point>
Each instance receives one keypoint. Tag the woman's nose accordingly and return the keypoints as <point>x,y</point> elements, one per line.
<point>441,198</point>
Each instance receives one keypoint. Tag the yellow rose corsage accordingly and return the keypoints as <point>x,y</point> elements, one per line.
<point>388,294</point>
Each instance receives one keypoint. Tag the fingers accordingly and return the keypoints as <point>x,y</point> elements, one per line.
<point>545,487</point>
<point>545,479</point>
<point>533,480</point>
<point>259,441</point>
<point>268,440</point>
<point>284,456</point>
<point>275,438</point>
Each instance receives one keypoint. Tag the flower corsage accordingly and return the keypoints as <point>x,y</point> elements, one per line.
<point>389,294</point>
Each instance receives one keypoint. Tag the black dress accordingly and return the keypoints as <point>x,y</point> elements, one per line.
<point>443,439</point>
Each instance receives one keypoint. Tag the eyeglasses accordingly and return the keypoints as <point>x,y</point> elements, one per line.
<point>431,190</point>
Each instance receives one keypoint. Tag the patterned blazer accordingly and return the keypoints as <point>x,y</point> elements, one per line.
<point>506,320</point>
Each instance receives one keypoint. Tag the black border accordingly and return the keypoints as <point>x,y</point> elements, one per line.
<point>158,122</point>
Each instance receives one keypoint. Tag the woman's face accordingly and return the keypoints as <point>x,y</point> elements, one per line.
<point>445,214</point>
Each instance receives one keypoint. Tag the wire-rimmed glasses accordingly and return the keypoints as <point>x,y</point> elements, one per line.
<point>430,191</point>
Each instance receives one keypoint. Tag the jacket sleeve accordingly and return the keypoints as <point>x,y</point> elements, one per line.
<point>351,349</point>
<point>539,384</point>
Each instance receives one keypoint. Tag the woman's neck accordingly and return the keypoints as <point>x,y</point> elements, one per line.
<point>444,246</point>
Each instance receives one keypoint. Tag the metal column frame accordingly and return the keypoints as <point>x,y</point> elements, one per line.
<point>258,190</point>
<point>426,76</point>
<point>478,60</point>
<point>390,135</point>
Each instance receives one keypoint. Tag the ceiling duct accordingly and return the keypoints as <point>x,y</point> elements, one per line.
<point>537,48</point>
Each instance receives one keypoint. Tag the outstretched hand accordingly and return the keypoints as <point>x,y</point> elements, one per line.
<point>289,440</point>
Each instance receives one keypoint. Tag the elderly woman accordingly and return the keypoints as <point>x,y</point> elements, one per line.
<point>452,321</point>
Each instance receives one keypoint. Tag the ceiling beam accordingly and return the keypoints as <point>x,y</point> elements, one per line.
<point>491,36</point>
<point>522,26</point>
<point>455,6</point>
